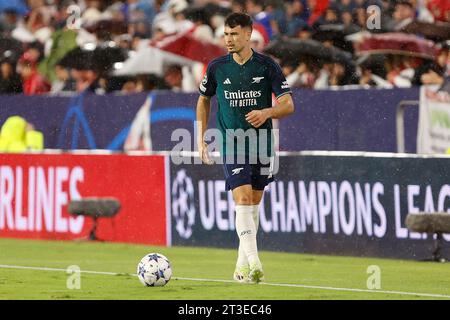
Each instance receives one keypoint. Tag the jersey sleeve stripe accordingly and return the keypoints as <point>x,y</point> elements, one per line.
<point>283,93</point>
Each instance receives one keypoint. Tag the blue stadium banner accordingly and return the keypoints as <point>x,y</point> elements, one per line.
<point>325,203</point>
<point>363,120</point>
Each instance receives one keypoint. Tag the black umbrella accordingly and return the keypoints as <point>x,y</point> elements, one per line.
<point>295,49</point>
<point>10,49</point>
<point>79,59</point>
<point>196,13</point>
<point>292,49</point>
<point>215,9</point>
<point>100,59</point>
<point>205,12</point>
<point>341,56</point>
<point>336,33</point>
<point>106,55</point>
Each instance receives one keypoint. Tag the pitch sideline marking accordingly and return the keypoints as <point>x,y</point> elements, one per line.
<point>433,295</point>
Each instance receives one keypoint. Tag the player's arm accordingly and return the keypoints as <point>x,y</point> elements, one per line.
<point>203,111</point>
<point>207,89</point>
<point>284,107</point>
<point>281,89</point>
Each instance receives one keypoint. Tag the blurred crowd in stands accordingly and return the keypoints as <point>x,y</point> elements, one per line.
<point>59,47</point>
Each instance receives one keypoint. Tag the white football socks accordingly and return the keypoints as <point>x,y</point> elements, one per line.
<point>247,222</point>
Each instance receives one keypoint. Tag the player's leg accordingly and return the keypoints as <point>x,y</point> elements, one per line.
<point>259,181</point>
<point>245,226</point>
<point>255,269</point>
<point>242,268</point>
<point>256,199</point>
<point>238,179</point>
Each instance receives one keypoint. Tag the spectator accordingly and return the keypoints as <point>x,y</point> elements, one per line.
<point>63,81</point>
<point>440,9</point>
<point>302,31</point>
<point>347,20</point>
<point>86,80</point>
<point>124,41</point>
<point>330,16</point>
<point>35,26</point>
<point>297,17</point>
<point>434,72</point>
<point>346,5</point>
<point>255,8</point>
<point>316,9</point>
<point>404,14</point>
<point>360,17</point>
<point>373,72</point>
<point>93,12</point>
<point>8,21</point>
<point>338,75</point>
<point>238,5</point>
<point>129,86</point>
<point>276,9</point>
<point>174,77</point>
<point>139,20</point>
<point>401,69</point>
<point>201,28</point>
<point>33,82</point>
<point>302,76</point>
<point>257,41</point>
<point>10,81</point>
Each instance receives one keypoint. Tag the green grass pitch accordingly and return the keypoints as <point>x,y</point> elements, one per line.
<point>317,276</point>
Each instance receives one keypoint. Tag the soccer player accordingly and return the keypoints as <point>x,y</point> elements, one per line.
<point>244,81</point>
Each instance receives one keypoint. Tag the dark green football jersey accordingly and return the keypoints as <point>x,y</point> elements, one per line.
<point>239,90</point>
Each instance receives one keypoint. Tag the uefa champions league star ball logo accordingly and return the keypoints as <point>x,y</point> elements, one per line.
<point>183,208</point>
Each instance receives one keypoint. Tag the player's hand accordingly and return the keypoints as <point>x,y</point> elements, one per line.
<point>204,154</point>
<point>257,117</point>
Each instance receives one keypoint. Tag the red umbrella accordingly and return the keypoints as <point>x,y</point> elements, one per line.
<point>186,45</point>
<point>398,43</point>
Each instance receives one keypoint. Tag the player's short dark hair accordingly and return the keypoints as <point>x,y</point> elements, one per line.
<point>239,19</point>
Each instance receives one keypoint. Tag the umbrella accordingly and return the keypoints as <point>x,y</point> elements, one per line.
<point>437,31</point>
<point>337,34</point>
<point>18,6</point>
<point>205,12</point>
<point>106,55</point>
<point>103,27</point>
<point>189,47</point>
<point>341,56</point>
<point>10,48</point>
<point>375,63</point>
<point>196,13</point>
<point>294,49</point>
<point>150,60</point>
<point>79,59</point>
<point>291,49</point>
<point>100,59</point>
<point>399,44</point>
<point>215,9</point>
